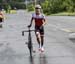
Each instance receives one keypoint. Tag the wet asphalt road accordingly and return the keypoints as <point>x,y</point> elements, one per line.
<point>58,48</point>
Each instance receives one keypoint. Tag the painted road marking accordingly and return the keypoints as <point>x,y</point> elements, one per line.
<point>62,29</point>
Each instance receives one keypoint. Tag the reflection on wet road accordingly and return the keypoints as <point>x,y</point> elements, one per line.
<point>41,59</point>
<point>13,50</point>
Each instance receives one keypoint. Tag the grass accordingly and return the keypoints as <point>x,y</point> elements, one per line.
<point>11,11</point>
<point>64,14</point>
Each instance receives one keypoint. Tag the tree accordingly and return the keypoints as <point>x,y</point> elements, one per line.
<point>55,6</point>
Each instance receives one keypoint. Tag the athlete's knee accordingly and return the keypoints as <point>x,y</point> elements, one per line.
<point>42,35</point>
<point>37,38</point>
<point>37,34</point>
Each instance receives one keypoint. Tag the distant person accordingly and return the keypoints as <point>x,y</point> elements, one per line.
<point>40,21</point>
<point>1,18</point>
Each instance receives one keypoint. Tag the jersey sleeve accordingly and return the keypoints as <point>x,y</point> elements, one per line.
<point>43,16</point>
<point>1,15</point>
<point>33,15</point>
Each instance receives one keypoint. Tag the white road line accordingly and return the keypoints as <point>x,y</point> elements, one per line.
<point>62,29</point>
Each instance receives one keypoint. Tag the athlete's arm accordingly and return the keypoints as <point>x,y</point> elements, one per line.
<point>44,21</point>
<point>3,16</point>
<point>31,22</point>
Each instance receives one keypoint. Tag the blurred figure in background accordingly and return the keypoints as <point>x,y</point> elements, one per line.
<point>1,18</point>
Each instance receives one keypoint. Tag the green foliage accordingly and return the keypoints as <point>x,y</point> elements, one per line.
<point>17,0</point>
<point>49,6</point>
<point>0,1</point>
<point>55,6</point>
<point>46,8</point>
<point>68,5</point>
<point>30,7</point>
<point>7,8</point>
<point>17,5</point>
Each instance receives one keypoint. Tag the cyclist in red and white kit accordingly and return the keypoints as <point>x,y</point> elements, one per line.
<point>40,21</point>
<point>1,18</point>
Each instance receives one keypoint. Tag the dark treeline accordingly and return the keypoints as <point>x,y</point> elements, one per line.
<point>49,6</point>
<point>12,4</point>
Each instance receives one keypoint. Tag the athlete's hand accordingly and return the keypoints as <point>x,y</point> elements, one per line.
<point>29,26</point>
<point>41,27</point>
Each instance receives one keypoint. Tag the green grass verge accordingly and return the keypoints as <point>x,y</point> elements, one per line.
<point>64,14</point>
<point>11,11</point>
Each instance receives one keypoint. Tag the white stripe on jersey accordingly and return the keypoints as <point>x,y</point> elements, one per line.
<point>38,16</point>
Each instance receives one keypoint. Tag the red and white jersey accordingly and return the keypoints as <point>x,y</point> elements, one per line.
<point>38,19</point>
<point>1,15</point>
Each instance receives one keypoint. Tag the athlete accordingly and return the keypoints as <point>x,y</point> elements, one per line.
<point>1,18</point>
<point>40,21</point>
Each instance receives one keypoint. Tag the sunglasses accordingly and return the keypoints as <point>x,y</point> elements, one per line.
<point>37,8</point>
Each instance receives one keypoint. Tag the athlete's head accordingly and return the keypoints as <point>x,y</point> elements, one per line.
<point>38,9</point>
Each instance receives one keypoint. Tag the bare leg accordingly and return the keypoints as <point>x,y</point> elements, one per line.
<point>38,38</point>
<point>42,40</point>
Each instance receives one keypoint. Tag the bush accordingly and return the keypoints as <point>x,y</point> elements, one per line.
<point>69,5</point>
<point>13,5</point>
<point>7,8</point>
<point>18,5</point>
<point>30,7</point>
<point>56,6</point>
<point>46,8</point>
<point>51,6</point>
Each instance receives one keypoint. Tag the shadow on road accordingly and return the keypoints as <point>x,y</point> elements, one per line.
<point>31,59</point>
<point>72,39</point>
<point>8,55</point>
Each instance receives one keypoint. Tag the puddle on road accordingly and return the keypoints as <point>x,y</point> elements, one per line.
<point>9,56</point>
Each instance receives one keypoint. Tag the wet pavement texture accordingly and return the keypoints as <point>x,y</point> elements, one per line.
<point>59,49</point>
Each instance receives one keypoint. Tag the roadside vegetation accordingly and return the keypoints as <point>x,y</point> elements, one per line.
<point>59,7</point>
<point>50,7</point>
